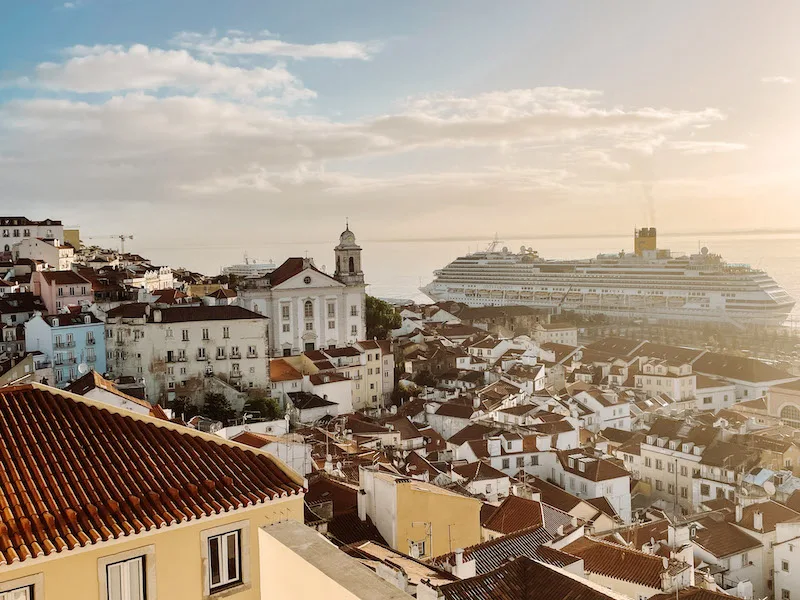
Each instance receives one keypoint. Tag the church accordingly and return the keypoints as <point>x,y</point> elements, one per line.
<point>309,309</point>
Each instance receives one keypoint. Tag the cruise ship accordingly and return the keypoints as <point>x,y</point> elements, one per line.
<point>649,283</point>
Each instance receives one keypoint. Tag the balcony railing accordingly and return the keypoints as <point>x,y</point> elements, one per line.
<point>91,342</point>
<point>235,355</point>
<point>203,358</point>
<point>65,344</point>
<point>119,342</point>
<point>252,355</point>
<point>236,375</point>
<point>223,357</point>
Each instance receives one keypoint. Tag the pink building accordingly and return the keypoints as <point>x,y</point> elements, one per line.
<point>60,289</point>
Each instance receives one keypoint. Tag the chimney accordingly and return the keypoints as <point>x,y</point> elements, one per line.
<point>494,446</point>
<point>459,557</point>
<point>476,403</point>
<point>758,520</point>
<point>328,463</point>
<point>738,513</point>
<point>156,316</point>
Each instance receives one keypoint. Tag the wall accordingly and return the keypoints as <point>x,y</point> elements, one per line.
<point>787,549</point>
<point>179,566</point>
<point>454,520</point>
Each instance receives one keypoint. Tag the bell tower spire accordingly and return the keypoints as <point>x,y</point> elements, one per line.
<point>348,258</point>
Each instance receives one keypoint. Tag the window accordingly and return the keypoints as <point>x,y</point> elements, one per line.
<point>354,330</point>
<point>253,353</point>
<point>226,332</point>
<point>201,354</point>
<point>417,549</point>
<point>506,463</point>
<point>128,575</point>
<point>745,559</point>
<point>583,487</point>
<point>684,471</point>
<point>521,461</point>
<point>21,593</point>
<point>648,462</point>
<point>684,492</point>
<point>308,309</point>
<point>286,328</point>
<point>285,311</point>
<point>659,464</point>
<point>534,461</point>
<point>220,352</point>
<point>205,333</point>
<point>707,400</point>
<point>670,488</point>
<point>331,310</point>
<point>705,490</point>
<point>185,335</point>
<point>785,566</point>
<point>791,416</point>
<point>224,560</point>
<point>331,324</point>
<point>659,485</point>
<point>353,310</point>
<point>670,467</point>
<point>785,595</point>
<point>310,326</point>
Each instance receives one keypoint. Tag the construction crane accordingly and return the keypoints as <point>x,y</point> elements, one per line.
<point>121,239</point>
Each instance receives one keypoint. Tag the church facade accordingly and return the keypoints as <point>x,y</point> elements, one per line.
<point>309,309</point>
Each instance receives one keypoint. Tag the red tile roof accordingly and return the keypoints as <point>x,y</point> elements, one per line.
<point>693,593</point>
<point>63,278</point>
<point>117,474</point>
<point>772,513</point>
<point>280,370</point>
<point>290,268</point>
<point>479,471</point>
<point>722,539</point>
<point>515,514</point>
<point>617,562</point>
<point>93,380</point>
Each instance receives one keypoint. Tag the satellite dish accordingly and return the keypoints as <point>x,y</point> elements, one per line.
<point>83,368</point>
<point>769,487</point>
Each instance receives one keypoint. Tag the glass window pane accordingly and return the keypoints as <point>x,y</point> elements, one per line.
<point>136,579</point>
<point>233,557</point>
<point>213,560</point>
<point>114,579</point>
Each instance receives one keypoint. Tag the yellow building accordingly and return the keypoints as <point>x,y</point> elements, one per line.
<point>418,518</point>
<point>100,503</point>
<point>73,238</point>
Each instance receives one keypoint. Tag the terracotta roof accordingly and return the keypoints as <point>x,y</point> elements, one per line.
<point>515,514</point>
<point>616,345</point>
<point>347,528</point>
<point>140,473</point>
<point>693,593</point>
<point>594,469</point>
<point>63,278</point>
<point>416,465</point>
<point>735,367</point>
<point>307,400</point>
<point>722,538</point>
<point>403,425</point>
<point>772,513</point>
<point>759,404</point>
<point>182,314</point>
<point>525,579</point>
<point>325,378</point>
<point>640,534</point>
<point>672,354</point>
<point>603,505</point>
<point>617,562</point>
<point>222,293</point>
<point>618,436</point>
<point>555,496</point>
<point>290,268</point>
<point>92,380</point>
<point>479,471</point>
<point>450,409</point>
<point>322,488</point>
<point>280,370</point>
<point>704,382</point>
<point>473,431</point>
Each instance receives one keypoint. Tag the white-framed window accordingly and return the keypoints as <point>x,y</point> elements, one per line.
<point>220,352</point>
<point>285,311</point>
<point>353,310</point>
<point>310,326</point>
<point>129,575</point>
<point>226,332</point>
<point>24,588</point>
<point>331,324</point>
<point>286,328</point>
<point>417,549</point>
<point>205,333</point>
<point>185,335</point>
<point>226,557</point>
<point>125,579</point>
<point>308,309</point>
<point>354,330</point>
<point>331,310</point>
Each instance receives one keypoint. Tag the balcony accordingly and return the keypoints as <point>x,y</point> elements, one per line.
<point>223,357</point>
<point>235,356</point>
<point>67,344</point>
<point>235,375</point>
<point>181,359</point>
<point>202,358</point>
<point>119,342</point>
<point>91,342</point>
<point>252,355</point>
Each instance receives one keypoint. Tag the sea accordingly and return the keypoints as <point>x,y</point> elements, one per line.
<point>396,269</point>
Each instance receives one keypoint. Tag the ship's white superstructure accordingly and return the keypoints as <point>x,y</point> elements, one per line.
<point>250,268</point>
<point>648,283</point>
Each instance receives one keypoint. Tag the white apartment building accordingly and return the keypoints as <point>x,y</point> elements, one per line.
<point>309,309</point>
<point>173,349</point>
<point>786,563</point>
<point>15,229</point>
<point>55,253</point>
<point>662,377</point>
<point>590,477</point>
<point>714,394</point>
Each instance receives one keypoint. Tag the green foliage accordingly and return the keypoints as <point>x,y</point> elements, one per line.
<point>381,318</point>
<point>266,408</point>
<point>425,378</point>
<point>217,407</point>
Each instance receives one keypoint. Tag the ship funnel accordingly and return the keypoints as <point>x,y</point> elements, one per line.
<point>644,239</point>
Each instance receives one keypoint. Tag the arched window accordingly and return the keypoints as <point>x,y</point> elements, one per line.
<point>791,416</point>
<point>308,309</point>
<point>352,265</point>
<point>8,248</point>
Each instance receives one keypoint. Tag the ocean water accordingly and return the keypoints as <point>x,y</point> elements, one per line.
<point>397,269</point>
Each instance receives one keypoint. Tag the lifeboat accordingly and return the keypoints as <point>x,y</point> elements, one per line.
<point>574,297</point>
<point>526,296</point>
<point>497,294</point>
<point>592,299</point>
<point>542,296</point>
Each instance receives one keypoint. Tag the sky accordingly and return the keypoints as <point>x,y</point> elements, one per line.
<point>212,123</point>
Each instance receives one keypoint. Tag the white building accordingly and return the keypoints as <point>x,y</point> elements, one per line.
<point>660,376</point>
<point>15,229</point>
<point>174,349</point>
<point>556,333</point>
<point>310,309</point>
<point>58,255</point>
<point>590,477</point>
<point>786,563</point>
<point>714,394</point>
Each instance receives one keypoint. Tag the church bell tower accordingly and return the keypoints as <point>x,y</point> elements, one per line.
<point>348,259</point>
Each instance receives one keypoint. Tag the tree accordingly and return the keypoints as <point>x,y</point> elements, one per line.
<point>381,318</point>
<point>267,408</point>
<point>217,407</point>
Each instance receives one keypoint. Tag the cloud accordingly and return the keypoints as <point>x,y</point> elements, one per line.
<point>694,147</point>
<point>94,69</point>
<point>778,79</point>
<point>237,43</point>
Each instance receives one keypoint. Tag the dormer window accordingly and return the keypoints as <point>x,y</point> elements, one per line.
<point>87,319</point>
<point>571,462</point>
<point>581,467</point>
<point>55,322</point>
